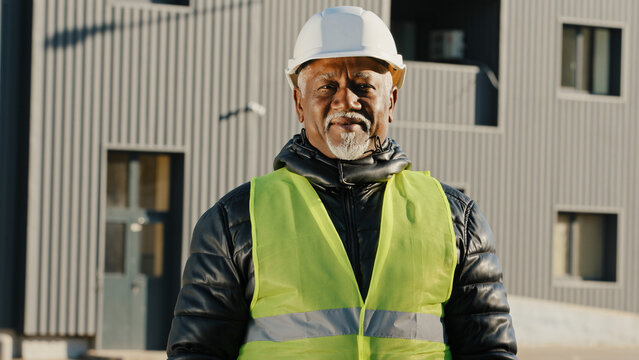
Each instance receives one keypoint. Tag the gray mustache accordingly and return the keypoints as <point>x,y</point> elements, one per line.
<point>349,115</point>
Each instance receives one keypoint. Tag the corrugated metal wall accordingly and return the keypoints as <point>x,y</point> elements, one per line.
<point>117,74</point>
<point>112,74</point>
<point>551,150</point>
<point>446,95</point>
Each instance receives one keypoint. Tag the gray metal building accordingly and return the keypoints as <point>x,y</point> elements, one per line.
<point>124,120</point>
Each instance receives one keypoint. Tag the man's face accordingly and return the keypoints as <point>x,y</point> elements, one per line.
<point>344,103</point>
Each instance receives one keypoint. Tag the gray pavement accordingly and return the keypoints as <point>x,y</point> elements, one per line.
<point>578,353</point>
<point>124,355</point>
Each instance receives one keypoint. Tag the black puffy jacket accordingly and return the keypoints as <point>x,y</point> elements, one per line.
<point>212,309</point>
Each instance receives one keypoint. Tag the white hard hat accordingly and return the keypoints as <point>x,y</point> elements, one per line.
<point>346,31</point>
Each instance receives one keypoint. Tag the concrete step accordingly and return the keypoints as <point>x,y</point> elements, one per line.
<point>124,355</point>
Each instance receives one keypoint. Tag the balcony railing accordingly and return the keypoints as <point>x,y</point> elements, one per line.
<point>446,94</point>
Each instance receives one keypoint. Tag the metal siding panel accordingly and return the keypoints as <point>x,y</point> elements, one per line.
<point>214,91</point>
<point>150,123</point>
<point>133,115</point>
<point>144,91</point>
<point>208,110</point>
<point>628,160</point>
<point>74,185</point>
<point>84,235</point>
<point>254,32</point>
<point>171,55</point>
<point>438,94</point>
<point>189,206</point>
<point>115,49</point>
<point>103,100</point>
<point>66,121</point>
<point>189,164</point>
<point>180,73</point>
<point>37,138</point>
<point>199,63</point>
<point>232,36</point>
<point>633,163</point>
<point>535,172</point>
<point>53,273</point>
<point>124,90</point>
<point>224,38</point>
<point>241,143</point>
<point>266,77</point>
<point>162,116</point>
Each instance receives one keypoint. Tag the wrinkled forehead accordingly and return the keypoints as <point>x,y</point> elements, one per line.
<point>331,68</point>
<point>375,64</point>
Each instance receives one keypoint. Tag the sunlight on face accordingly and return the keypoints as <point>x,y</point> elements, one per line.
<point>343,103</point>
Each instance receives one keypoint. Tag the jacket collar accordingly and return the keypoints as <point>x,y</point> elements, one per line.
<point>300,157</point>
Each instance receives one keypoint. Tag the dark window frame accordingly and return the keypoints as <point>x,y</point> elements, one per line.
<point>610,242</point>
<point>578,72</point>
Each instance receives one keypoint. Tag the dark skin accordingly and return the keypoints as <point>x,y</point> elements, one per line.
<point>353,84</point>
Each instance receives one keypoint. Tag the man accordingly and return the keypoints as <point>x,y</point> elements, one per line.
<point>342,253</point>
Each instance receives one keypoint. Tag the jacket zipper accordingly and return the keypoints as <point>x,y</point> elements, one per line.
<point>351,237</point>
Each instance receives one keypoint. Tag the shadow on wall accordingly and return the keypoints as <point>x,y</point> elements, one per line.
<point>71,37</point>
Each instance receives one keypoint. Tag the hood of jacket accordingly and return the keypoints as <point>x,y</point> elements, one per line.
<point>300,157</point>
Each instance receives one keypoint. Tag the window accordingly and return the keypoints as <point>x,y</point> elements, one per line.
<point>462,32</point>
<point>591,59</point>
<point>585,246</point>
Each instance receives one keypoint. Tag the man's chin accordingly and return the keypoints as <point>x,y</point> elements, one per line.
<point>339,132</point>
<point>350,146</point>
<point>348,127</point>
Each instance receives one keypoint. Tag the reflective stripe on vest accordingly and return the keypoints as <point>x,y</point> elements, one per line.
<point>306,301</point>
<point>335,322</point>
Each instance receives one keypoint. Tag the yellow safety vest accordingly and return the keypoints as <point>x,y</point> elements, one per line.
<point>307,304</point>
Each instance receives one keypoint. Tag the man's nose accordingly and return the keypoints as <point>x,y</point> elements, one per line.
<point>346,99</point>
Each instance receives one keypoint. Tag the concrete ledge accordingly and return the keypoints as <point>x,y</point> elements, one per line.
<point>6,346</point>
<point>578,353</point>
<point>541,323</point>
<point>124,355</point>
<point>44,348</point>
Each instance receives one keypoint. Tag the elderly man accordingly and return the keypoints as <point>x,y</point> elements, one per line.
<point>342,252</point>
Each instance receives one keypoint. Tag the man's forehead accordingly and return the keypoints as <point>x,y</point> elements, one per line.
<point>365,74</point>
<point>359,67</point>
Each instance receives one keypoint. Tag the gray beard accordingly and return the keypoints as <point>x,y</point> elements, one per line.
<point>350,148</point>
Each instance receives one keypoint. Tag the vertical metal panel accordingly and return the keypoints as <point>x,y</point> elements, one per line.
<point>34,247</point>
<point>436,93</point>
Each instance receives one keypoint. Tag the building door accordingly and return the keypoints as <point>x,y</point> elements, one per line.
<point>141,257</point>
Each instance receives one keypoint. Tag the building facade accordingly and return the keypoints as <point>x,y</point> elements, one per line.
<point>140,114</point>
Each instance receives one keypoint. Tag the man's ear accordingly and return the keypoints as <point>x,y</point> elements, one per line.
<point>297,98</point>
<point>392,102</point>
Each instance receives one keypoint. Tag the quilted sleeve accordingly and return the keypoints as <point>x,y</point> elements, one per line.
<point>212,310</point>
<point>477,319</point>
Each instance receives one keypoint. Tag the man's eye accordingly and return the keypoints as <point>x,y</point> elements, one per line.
<point>364,86</point>
<point>327,87</point>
